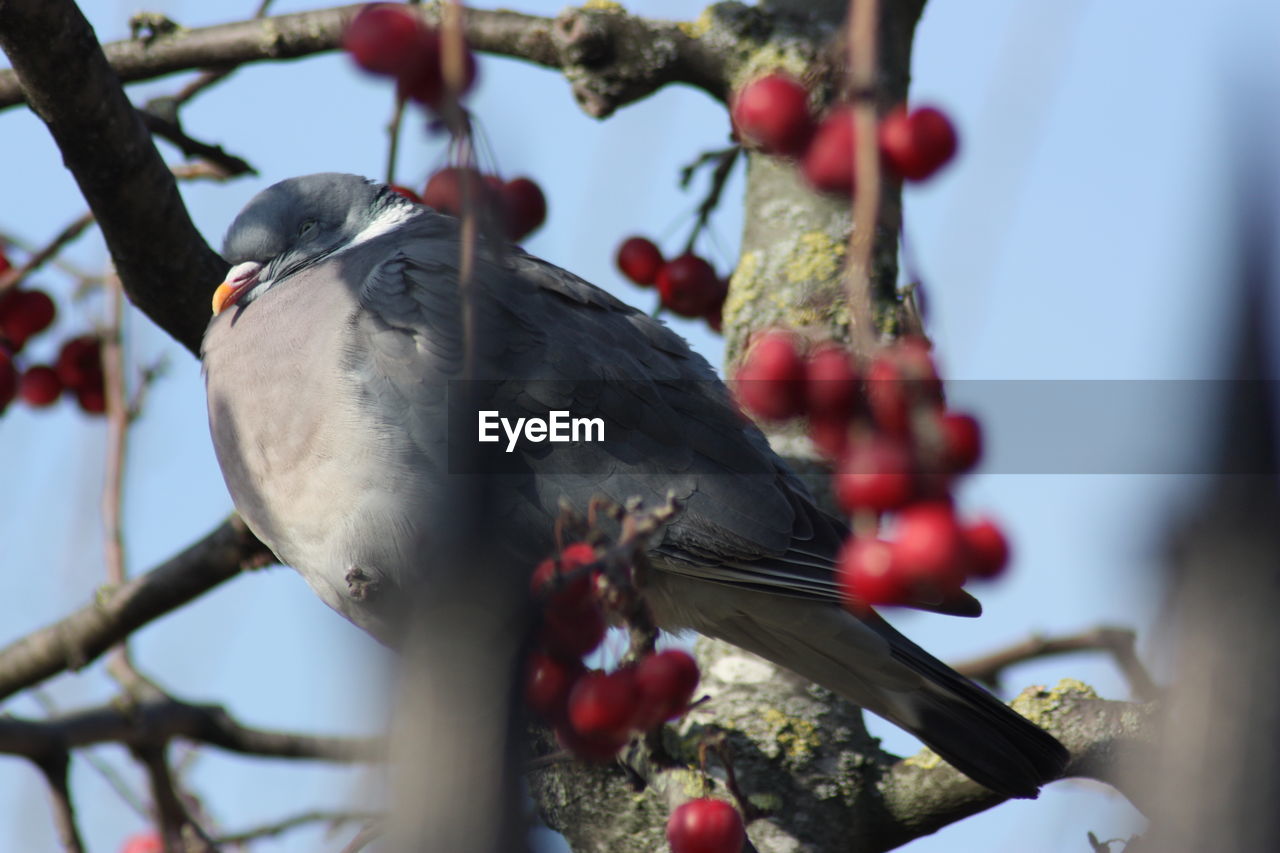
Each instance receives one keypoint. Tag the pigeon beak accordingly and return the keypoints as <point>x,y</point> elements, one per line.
<point>239,279</point>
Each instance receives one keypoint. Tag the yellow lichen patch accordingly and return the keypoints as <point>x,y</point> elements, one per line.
<point>925,759</point>
<point>744,286</point>
<point>692,784</point>
<point>603,6</point>
<point>769,57</point>
<point>1038,704</point>
<point>816,256</point>
<point>798,738</point>
<point>699,27</point>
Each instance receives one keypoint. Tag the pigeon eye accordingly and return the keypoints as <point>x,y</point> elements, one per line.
<point>306,228</point>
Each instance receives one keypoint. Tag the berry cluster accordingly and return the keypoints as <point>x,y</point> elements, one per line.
<point>518,204</point>
<point>594,713</point>
<point>705,826</point>
<point>772,114</point>
<point>390,40</point>
<point>78,369</point>
<point>687,285</point>
<point>896,449</point>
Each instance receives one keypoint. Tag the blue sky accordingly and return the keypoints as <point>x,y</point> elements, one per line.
<point>1076,237</point>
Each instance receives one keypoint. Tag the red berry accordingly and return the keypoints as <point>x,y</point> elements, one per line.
<point>830,435</point>
<point>688,285</point>
<point>987,548</point>
<point>8,379</point>
<point>548,681</point>
<point>917,145</point>
<point>93,401</point>
<point>406,192</point>
<point>23,314</point>
<point>770,383</point>
<point>772,113</point>
<point>887,396</point>
<point>666,682</point>
<point>929,547</point>
<point>828,162</point>
<point>830,384</point>
<point>524,207</point>
<point>961,442</point>
<point>706,826</point>
<point>386,38</point>
<point>425,81</point>
<point>640,260</point>
<point>79,362</point>
<point>572,632</point>
<point>40,386</point>
<point>5,266</point>
<point>604,703</point>
<point>867,575</point>
<point>715,318</point>
<point>448,188</point>
<point>876,474</point>
<point>144,842</point>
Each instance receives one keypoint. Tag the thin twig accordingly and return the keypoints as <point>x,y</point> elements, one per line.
<point>54,769</point>
<point>14,277</point>
<point>171,130</point>
<point>724,160</point>
<point>212,76</point>
<point>1119,642</point>
<point>178,828</point>
<point>104,768</point>
<point>335,819</point>
<point>117,400</point>
<point>363,839</point>
<point>393,137</point>
<point>864,16</point>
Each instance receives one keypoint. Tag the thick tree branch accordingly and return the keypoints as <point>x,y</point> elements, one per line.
<point>615,58</point>
<point>922,794</point>
<point>802,759</point>
<point>77,639</point>
<point>166,267</point>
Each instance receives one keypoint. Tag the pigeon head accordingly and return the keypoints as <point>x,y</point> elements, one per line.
<point>299,222</point>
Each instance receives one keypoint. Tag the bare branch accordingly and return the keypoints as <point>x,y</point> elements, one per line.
<point>178,828</point>
<point>54,768</point>
<point>14,277</point>
<point>607,49</point>
<point>153,722</point>
<point>334,819</point>
<point>1119,642</point>
<point>171,131</point>
<point>79,638</point>
<point>922,794</point>
<point>166,267</point>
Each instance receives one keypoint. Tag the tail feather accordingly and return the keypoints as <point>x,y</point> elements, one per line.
<point>870,663</point>
<point>973,730</point>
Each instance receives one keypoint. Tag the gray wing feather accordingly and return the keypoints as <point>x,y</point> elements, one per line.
<point>677,428</point>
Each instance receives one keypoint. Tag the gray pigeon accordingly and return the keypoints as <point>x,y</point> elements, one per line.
<point>328,364</point>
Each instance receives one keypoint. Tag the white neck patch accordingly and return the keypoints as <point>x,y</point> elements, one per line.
<point>390,218</point>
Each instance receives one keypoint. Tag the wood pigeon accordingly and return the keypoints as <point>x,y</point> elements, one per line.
<point>329,360</point>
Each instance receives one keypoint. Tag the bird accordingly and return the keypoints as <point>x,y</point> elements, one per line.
<point>327,362</point>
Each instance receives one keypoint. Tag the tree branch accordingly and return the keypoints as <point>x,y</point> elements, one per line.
<point>54,768</point>
<point>156,721</point>
<point>77,639</point>
<point>1119,642</point>
<point>802,758</point>
<point>166,267</point>
<point>610,53</point>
